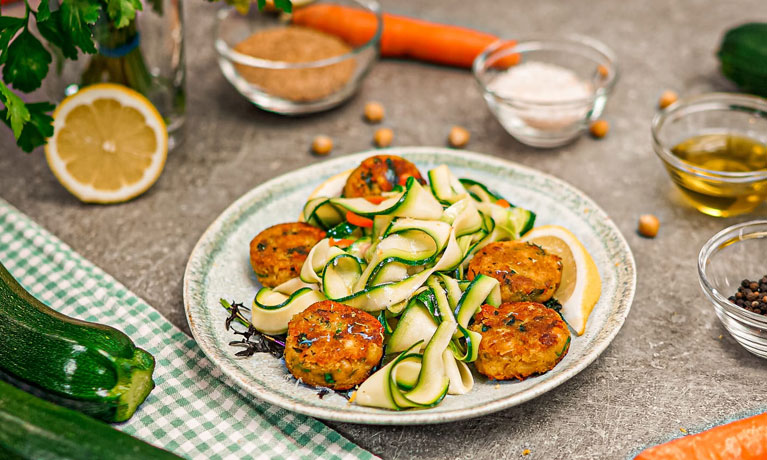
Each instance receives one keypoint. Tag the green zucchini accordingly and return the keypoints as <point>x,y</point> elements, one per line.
<point>31,428</point>
<point>743,57</point>
<point>89,367</point>
<point>480,191</point>
<point>415,202</point>
<point>273,310</point>
<point>432,383</point>
<point>445,186</point>
<point>340,274</point>
<point>415,325</point>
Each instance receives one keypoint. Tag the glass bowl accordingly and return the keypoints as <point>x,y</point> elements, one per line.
<point>715,193</point>
<point>730,256</point>
<point>292,88</point>
<point>543,123</point>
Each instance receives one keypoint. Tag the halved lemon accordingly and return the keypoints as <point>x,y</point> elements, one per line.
<point>581,285</point>
<point>109,144</point>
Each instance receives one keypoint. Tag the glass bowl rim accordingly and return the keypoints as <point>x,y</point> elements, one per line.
<point>226,51</point>
<point>746,101</point>
<point>710,247</point>
<point>537,43</point>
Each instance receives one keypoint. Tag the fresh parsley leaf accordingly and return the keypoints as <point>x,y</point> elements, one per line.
<point>11,22</point>
<point>43,11</point>
<point>76,18</point>
<point>9,26</point>
<point>284,5</point>
<point>16,112</point>
<point>52,32</point>
<point>122,12</point>
<point>27,62</point>
<point>38,129</point>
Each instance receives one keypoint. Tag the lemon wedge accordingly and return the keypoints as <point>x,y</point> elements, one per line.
<point>109,144</point>
<point>581,285</point>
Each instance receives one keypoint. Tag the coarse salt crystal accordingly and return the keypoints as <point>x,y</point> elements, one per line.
<point>541,82</point>
<point>533,83</point>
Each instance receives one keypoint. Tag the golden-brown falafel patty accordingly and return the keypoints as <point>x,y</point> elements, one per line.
<point>526,272</point>
<point>277,253</point>
<point>519,339</point>
<point>378,174</point>
<point>333,345</point>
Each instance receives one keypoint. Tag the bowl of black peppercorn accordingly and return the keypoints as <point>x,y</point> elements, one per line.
<point>732,268</point>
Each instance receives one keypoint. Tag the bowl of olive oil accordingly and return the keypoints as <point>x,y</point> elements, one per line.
<point>714,147</point>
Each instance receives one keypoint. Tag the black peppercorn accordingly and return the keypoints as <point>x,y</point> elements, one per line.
<point>752,296</point>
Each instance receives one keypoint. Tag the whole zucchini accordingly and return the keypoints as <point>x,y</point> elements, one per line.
<point>89,367</point>
<point>31,428</point>
<point>743,56</point>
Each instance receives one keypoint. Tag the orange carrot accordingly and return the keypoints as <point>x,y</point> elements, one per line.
<point>503,203</point>
<point>402,37</point>
<point>358,220</point>
<point>342,243</point>
<point>744,439</point>
<point>375,199</point>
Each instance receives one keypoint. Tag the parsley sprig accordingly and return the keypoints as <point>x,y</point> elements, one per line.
<point>67,27</point>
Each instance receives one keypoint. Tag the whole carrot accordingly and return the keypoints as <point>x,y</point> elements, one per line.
<point>744,439</point>
<point>402,37</point>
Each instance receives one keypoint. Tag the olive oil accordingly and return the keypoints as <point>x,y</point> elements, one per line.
<point>709,191</point>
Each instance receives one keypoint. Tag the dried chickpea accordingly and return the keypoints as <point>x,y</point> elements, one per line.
<point>458,137</point>
<point>383,137</point>
<point>648,225</point>
<point>374,112</point>
<point>322,145</point>
<point>599,128</point>
<point>667,98</point>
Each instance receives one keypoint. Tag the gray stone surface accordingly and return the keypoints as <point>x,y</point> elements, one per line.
<point>672,366</point>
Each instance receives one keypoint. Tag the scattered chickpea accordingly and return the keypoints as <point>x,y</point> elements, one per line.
<point>648,225</point>
<point>383,137</point>
<point>374,112</point>
<point>322,145</point>
<point>667,98</point>
<point>602,71</point>
<point>599,128</point>
<point>459,136</point>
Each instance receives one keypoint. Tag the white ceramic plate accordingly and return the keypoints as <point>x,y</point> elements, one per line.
<point>219,267</point>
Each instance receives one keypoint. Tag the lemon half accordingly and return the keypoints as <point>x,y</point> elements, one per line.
<point>109,144</point>
<point>581,284</point>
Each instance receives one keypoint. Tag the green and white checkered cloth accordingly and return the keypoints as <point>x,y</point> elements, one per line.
<point>194,411</point>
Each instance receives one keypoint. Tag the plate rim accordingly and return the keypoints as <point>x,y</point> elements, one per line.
<point>599,345</point>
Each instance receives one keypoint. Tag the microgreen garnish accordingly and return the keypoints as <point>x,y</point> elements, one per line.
<point>252,341</point>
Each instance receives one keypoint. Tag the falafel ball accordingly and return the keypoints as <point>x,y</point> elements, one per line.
<point>519,339</point>
<point>526,271</point>
<point>333,345</point>
<point>378,174</point>
<point>277,253</point>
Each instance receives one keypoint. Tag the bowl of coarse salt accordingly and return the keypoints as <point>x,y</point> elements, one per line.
<point>546,92</point>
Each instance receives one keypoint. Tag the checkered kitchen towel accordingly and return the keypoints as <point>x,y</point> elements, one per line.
<point>193,411</point>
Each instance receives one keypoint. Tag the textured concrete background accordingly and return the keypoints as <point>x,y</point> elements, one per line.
<point>667,369</point>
